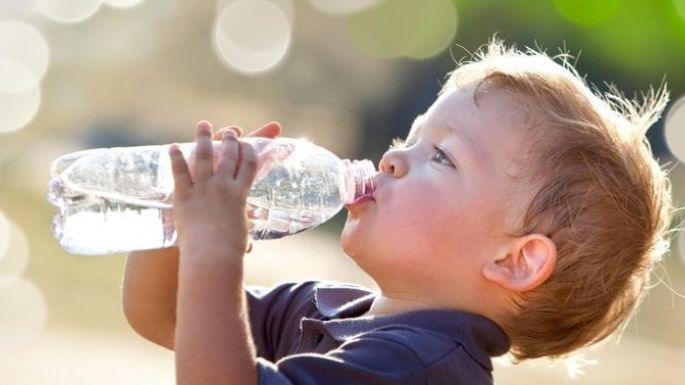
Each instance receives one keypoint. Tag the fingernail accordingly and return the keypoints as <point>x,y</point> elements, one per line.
<point>204,130</point>
<point>204,124</point>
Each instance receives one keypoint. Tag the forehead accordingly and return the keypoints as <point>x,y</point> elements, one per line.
<point>494,113</point>
<point>489,134</point>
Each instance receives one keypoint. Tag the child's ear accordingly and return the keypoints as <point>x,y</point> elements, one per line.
<point>530,261</point>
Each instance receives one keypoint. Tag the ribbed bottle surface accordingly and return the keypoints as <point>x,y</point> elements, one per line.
<point>119,199</point>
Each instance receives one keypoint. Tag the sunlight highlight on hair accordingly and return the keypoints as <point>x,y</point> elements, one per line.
<point>576,364</point>
<point>674,129</point>
<point>68,11</point>
<point>242,42</point>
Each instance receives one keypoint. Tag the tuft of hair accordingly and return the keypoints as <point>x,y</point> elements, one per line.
<point>599,194</point>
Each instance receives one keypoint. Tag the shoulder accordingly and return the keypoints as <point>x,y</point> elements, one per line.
<point>414,353</point>
<point>440,356</point>
<point>428,346</point>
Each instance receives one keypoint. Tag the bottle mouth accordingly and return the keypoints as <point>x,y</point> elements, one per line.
<point>363,173</point>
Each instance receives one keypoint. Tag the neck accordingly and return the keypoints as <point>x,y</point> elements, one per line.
<point>393,303</point>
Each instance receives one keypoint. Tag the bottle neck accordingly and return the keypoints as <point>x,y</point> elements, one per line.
<point>359,179</point>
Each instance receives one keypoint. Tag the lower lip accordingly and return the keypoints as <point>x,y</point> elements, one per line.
<point>361,199</point>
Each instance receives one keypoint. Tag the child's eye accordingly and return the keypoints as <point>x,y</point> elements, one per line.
<point>440,157</point>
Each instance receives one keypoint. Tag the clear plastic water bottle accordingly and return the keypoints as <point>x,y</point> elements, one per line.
<point>119,199</point>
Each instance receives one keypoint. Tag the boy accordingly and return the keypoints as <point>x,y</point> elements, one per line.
<point>522,215</point>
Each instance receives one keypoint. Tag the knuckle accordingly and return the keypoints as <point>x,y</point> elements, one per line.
<point>180,196</point>
<point>225,185</point>
<point>249,154</point>
<point>251,164</point>
<point>203,151</point>
<point>236,129</point>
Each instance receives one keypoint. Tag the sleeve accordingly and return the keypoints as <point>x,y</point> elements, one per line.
<point>374,359</point>
<point>275,316</point>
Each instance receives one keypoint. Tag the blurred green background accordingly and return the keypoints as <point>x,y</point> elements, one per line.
<point>348,74</point>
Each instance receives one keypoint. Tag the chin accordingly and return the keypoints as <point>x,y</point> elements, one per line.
<point>347,241</point>
<point>352,239</point>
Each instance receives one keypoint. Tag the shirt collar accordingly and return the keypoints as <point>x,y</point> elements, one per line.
<point>341,300</point>
<point>345,305</point>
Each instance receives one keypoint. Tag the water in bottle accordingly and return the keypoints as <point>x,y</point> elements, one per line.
<point>119,199</point>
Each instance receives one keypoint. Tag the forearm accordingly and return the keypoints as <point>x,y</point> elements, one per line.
<point>149,293</point>
<point>213,342</point>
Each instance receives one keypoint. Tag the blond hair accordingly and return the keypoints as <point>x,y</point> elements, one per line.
<point>600,196</point>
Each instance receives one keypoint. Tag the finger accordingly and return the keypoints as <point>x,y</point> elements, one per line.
<point>203,151</point>
<point>247,169</point>
<point>180,172</point>
<point>219,135</point>
<point>248,249</point>
<point>269,130</point>
<point>230,155</point>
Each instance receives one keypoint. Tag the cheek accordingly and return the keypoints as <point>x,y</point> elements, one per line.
<point>454,223</point>
<point>416,223</point>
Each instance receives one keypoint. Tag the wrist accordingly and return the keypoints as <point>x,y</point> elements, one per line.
<point>198,259</point>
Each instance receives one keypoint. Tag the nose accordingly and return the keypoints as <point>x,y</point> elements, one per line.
<point>393,162</point>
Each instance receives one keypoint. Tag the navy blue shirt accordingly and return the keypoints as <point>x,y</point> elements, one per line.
<point>315,333</point>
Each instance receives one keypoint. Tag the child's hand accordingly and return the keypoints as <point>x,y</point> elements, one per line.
<point>269,130</point>
<point>209,209</point>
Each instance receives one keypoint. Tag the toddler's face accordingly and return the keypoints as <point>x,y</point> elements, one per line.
<point>445,199</point>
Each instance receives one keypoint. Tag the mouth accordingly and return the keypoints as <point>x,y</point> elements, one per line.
<point>364,193</point>
<point>359,201</point>
<point>363,198</point>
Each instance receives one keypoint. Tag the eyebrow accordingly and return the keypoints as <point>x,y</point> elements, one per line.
<point>470,145</point>
<point>465,142</point>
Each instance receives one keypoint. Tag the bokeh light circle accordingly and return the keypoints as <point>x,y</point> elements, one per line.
<point>24,43</point>
<point>19,97</point>
<point>680,7</point>
<point>337,7</point>
<point>587,13</point>
<point>13,8</point>
<point>15,77</point>
<point>68,11</point>
<point>674,129</point>
<point>23,314</point>
<point>416,29</point>
<point>15,257</point>
<point>285,5</point>
<point>123,3</point>
<point>4,235</point>
<point>252,36</point>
